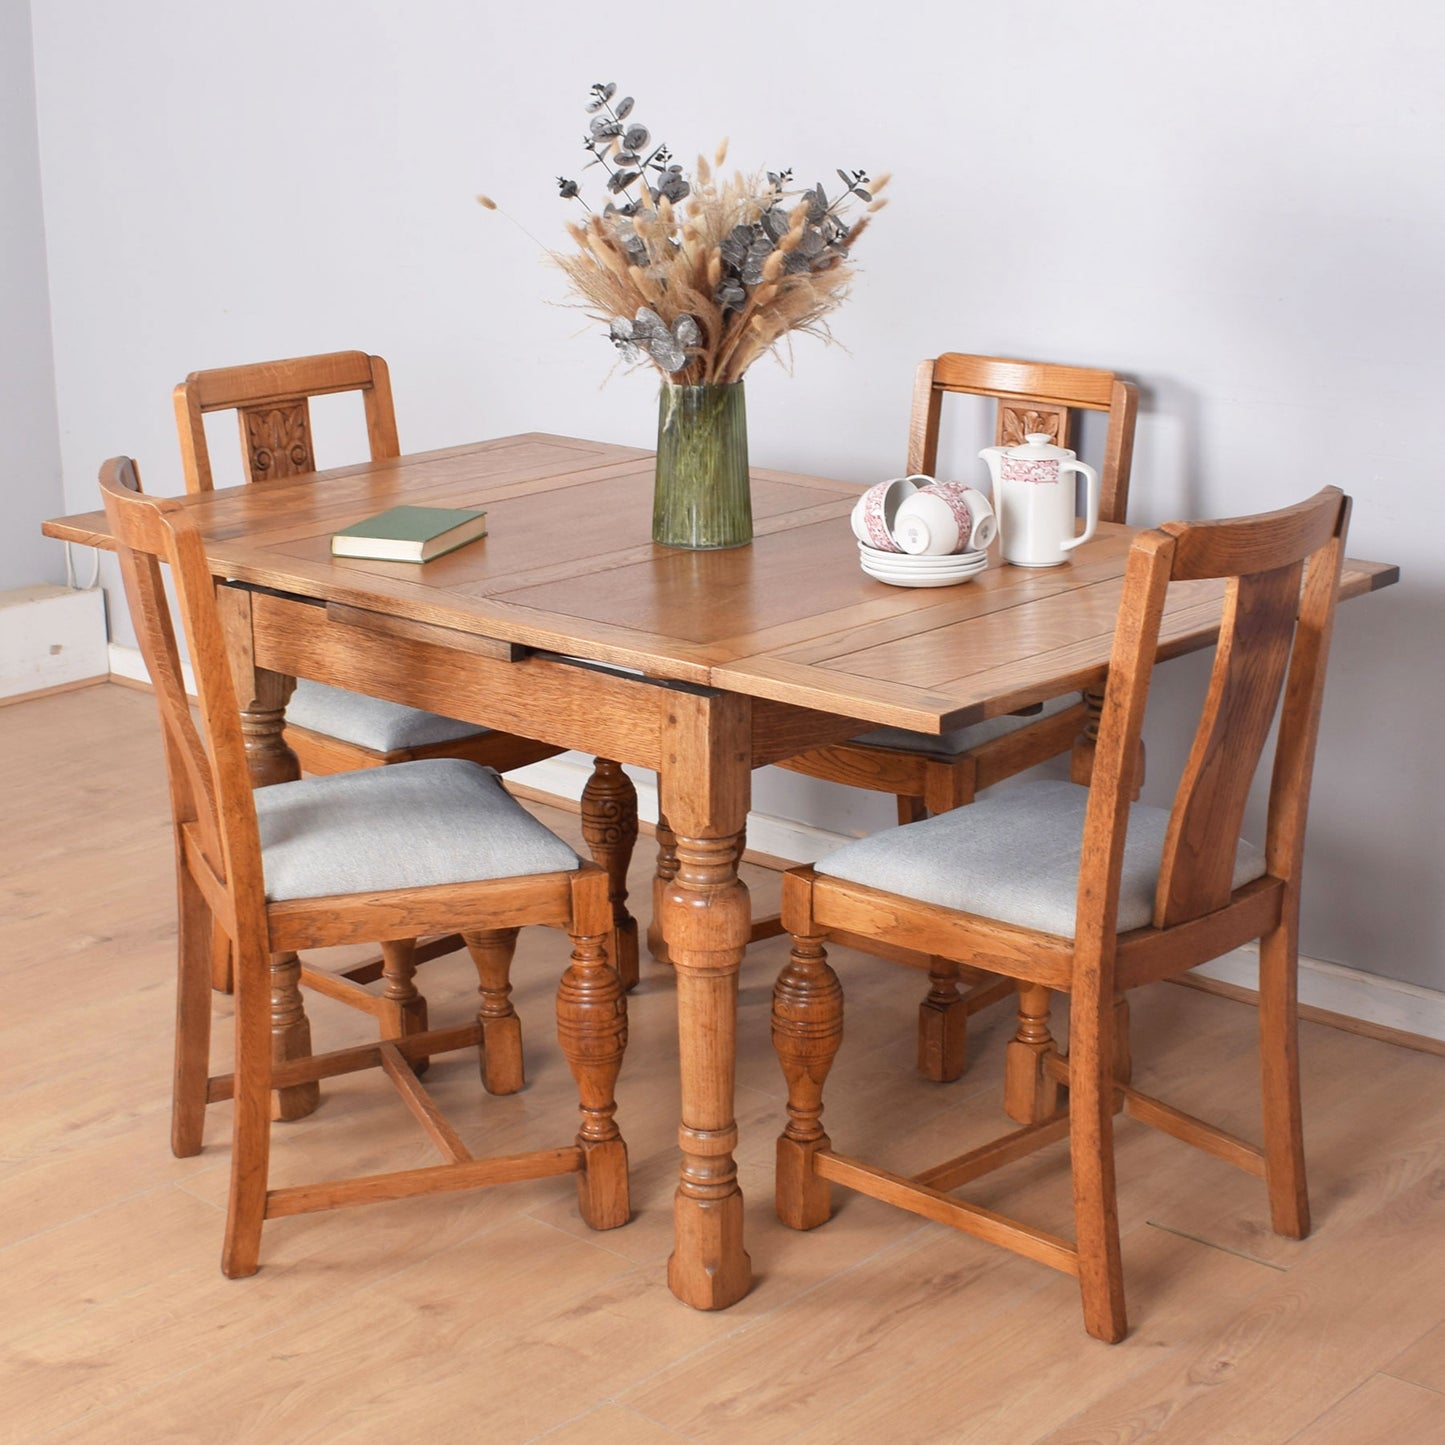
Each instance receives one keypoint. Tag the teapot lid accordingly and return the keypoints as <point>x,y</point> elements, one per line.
<point>1038,445</point>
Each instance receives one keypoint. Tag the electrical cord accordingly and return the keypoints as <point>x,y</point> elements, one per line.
<point>70,570</point>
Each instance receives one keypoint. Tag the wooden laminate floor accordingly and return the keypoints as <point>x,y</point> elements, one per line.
<point>498,1317</point>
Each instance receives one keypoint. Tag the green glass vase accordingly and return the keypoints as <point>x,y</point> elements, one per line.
<point>701,497</point>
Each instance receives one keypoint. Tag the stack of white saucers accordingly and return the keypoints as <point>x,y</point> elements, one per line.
<point>900,569</point>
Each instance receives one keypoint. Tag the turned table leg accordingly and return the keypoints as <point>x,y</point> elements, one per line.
<point>1081,759</point>
<point>663,874</point>
<point>609,824</point>
<point>263,723</point>
<point>707,920</point>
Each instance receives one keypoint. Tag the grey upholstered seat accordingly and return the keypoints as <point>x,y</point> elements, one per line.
<point>370,721</point>
<point>1015,857</point>
<point>960,740</point>
<point>410,825</point>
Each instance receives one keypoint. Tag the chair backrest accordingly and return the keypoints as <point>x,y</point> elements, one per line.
<point>1282,574</point>
<point>271,401</point>
<point>211,803</point>
<point>1032,396</point>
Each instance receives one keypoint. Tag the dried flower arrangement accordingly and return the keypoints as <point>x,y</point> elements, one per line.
<point>700,276</point>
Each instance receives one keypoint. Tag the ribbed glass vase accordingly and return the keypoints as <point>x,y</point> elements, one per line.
<point>701,497</point>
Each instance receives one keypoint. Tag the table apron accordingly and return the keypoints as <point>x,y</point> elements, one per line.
<point>551,700</point>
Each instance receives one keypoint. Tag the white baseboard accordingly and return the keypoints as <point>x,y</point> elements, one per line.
<point>127,662</point>
<point>1350,991</point>
<point>50,636</point>
<point>1331,986</point>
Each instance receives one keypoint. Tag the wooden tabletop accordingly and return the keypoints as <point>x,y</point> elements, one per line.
<point>568,566</point>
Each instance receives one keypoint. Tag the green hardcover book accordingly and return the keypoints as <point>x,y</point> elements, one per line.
<point>409,534</point>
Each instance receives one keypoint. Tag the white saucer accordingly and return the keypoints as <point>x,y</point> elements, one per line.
<point>937,564</point>
<point>927,577</point>
<point>925,580</point>
<point>904,563</point>
<point>949,564</point>
<point>873,556</point>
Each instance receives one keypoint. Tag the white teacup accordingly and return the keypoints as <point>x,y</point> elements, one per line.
<point>944,517</point>
<point>875,511</point>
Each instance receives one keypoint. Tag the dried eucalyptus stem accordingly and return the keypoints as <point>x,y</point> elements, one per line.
<point>701,276</point>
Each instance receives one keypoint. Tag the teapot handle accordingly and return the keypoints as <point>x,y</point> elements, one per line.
<point>1091,502</point>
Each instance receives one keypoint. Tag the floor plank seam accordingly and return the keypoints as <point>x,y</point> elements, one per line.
<point>746,1326</point>
<point>73,1219</point>
<point>284,1322</point>
<point>590,1238</point>
<point>1406,1380</point>
<point>1332,1406</point>
<point>553,1431</point>
<point>1212,1244</point>
<point>133,1397</point>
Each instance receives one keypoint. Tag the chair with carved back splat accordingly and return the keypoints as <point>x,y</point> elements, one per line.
<point>1080,890</point>
<point>341,859</point>
<point>930,775</point>
<point>328,728</point>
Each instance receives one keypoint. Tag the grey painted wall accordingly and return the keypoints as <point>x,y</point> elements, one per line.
<point>30,487</point>
<point>1238,204</point>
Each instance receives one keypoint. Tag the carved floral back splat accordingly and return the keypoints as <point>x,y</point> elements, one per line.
<point>277,440</point>
<point>1016,423</point>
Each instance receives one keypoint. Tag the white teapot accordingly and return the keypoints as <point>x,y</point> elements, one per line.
<point>1033,497</point>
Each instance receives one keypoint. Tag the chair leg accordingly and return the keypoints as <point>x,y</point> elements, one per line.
<point>592,1029</point>
<point>911,810</point>
<point>1284,1162</point>
<point>1123,1057</point>
<point>195,954</point>
<point>251,1127</point>
<point>1030,1094</point>
<point>501,1050</point>
<point>942,1017</point>
<point>807,1030</point>
<point>1091,1152</point>
<point>406,1011</point>
<point>942,1025</point>
<point>609,824</point>
<point>666,871</point>
<point>290,1037</point>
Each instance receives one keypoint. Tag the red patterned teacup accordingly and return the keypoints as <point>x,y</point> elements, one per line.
<point>875,510</point>
<point>944,517</point>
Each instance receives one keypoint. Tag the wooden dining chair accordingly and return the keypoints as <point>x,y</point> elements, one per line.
<point>331,729</point>
<point>1080,890</point>
<point>353,857</point>
<point>929,774</point>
